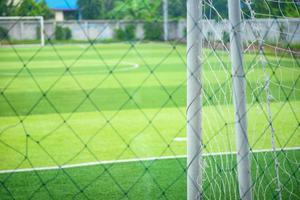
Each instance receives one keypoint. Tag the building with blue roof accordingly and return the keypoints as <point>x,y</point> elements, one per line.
<point>63,9</point>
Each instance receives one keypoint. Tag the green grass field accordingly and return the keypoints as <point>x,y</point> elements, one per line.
<point>73,104</point>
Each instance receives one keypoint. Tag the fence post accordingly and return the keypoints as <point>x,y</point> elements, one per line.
<point>42,31</point>
<point>194,86</point>
<point>239,98</point>
<point>21,29</point>
<point>165,2</point>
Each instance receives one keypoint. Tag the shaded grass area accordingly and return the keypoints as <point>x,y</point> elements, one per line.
<point>157,179</point>
<point>77,100</point>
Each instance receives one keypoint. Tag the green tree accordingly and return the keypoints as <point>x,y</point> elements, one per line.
<point>273,9</point>
<point>177,9</point>
<point>216,9</point>
<point>91,9</point>
<point>6,8</point>
<point>108,6</point>
<point>32,8</point>
<point>95,9</point>
<point>136,9</point>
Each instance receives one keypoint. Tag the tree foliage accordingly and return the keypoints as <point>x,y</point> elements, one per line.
<point>152,9</point>
<point>216,9</point>
<point>62,33</point>
<point>276,9</point>
<point>136,9</point>
<point>95,9</point>
<point>126,33</point>
<point>25,8</point>
<point>153,31</point>
<point>6,8</point>
<point>31,8</point>
<point>213,9</point>
<point>90,9</point>
<point>177,9</point>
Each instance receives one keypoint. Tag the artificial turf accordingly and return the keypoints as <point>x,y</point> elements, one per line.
<point>156,179</point>
<point>78,103</point>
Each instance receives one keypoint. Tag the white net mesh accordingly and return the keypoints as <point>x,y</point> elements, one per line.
<point>270,35</point>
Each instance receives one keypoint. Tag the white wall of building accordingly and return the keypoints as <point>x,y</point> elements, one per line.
<point>59,15</point>
<point>104,29</point>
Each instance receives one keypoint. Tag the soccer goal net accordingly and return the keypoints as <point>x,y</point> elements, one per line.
<point>248,72</point>
<point>22,30</point>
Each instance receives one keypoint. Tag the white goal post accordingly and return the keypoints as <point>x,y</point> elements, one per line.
<point>21,18</point>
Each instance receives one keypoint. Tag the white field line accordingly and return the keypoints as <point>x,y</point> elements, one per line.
<point>8,46</point>
<point>133,160</point>
<point>133,66</point>
<point>180,139</point>
<point>27,46</point>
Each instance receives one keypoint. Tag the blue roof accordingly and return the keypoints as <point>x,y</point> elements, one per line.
<point>61,4</point>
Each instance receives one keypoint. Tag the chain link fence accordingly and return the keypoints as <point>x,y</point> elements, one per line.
<point>100,118</point>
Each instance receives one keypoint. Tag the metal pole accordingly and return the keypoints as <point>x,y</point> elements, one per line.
<point>194,85</point>
<point>165,20</point>
<point>21,30</point>
<point>239,98</point>
<point>42,31</point>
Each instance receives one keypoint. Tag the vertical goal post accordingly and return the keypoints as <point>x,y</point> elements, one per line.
<point>194,110</point>
<point>39,18</point>
<point>166,22</point>
<point>194,107</point>
<point>239,100</point>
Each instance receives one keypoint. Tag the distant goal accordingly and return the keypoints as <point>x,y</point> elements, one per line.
<point>22,30</point>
